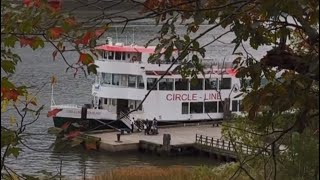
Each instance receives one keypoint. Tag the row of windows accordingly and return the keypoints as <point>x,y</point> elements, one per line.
<point>202,107</point>
<point>185,84</point>
<point>209,107</point>
<point>110,55</point>
<point>132,104</point>
<point>122,80</point>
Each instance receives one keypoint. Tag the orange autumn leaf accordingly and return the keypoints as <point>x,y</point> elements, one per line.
<point>90,146</point>
<point>85,59</point>
<point>53,80</point>
<point>70,21</point>
<point>9,94</point>
<point>55,32</point>
<point>53,112</point>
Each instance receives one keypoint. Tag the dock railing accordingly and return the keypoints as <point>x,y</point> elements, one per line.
<point>215,144</point>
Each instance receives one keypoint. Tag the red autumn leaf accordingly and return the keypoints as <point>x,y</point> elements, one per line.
<point>85,39</point>
<point>56,32</point>
<point>10,94</point>
<point>53,112</point>
<point>36,3</point>
<point>73,134</point>
<point>99,32</point>
<point>65,125</point>
<point>24,41</point>
<point>55,5</point>
<point>27,2</point>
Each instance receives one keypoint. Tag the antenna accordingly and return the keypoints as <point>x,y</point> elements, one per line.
<point>116,34</point>
<point>133,36</point>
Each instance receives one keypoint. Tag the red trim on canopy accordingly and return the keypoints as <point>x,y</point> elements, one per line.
<point>232,72</point>
<point>140,49</point>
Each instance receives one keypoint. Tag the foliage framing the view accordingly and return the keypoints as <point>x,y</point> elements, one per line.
<point>285,111</point>
<point>282,116</point>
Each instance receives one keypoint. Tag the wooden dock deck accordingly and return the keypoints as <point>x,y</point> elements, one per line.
<point>179,136</point>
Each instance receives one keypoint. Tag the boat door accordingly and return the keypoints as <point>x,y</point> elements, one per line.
<point>122,106</point>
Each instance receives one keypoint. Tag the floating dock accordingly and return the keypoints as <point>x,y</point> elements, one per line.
<point>179,137</point>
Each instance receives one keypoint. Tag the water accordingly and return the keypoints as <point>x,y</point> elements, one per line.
<point>36,69</point>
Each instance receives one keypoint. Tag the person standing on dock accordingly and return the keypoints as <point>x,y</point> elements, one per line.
<point>146,130</point>
<point>132,124</point>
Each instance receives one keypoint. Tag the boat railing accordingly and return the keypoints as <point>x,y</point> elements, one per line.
<point>67,106</point>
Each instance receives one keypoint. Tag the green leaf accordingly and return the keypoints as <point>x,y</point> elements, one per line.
<point>28,177</point>
<point>8,66</point>
<point>10,41</point>
<point>55,130</point>
<point>92,68</point>
<point>15,151</point>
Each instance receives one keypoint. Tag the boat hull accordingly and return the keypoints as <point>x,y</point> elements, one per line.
<point>104,124</point>
<point>89,124</point>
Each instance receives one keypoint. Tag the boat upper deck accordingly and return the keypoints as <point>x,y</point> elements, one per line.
<point>120,53</point>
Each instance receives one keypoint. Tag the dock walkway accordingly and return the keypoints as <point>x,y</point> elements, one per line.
<point>179,136</point>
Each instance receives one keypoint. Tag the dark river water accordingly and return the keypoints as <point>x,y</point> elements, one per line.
<point>36,69</point>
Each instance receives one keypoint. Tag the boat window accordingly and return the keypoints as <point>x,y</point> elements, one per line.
<point>234,105</point>
<point>115,79</point>
<point>210,107</point>
<point>225,83</point>
<point>166,84</point>
<point>110,55</point>
<point>151,82</point>
<point>124,80</point>
<point>140,82</point>
<point>137,104</point>
<point>196,107</point>
<point>132,81</point>
<point>123,56</point>
<point>105,101</point>
<point>105,54</point>
<point>106,78</point>
<point>241,108</point>
<point>221,106</point>
<point>114,102</point>
<point>182,84</point>
<point>211,83</point>
<point>118,56</point>
<point>185,108</point>
<point>196,84</point>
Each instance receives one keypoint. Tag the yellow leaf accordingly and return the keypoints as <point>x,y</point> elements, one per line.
<point>14,176</point>
<point>4,105</point>
<point>12,120</point>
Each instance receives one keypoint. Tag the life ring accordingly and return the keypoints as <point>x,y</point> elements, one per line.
<point>134,58</point>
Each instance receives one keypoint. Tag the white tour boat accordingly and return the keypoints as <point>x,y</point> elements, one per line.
<point>124,78</point>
